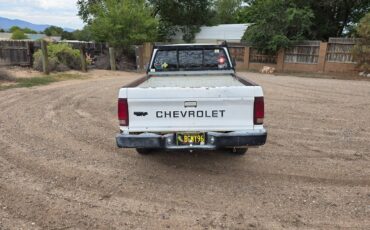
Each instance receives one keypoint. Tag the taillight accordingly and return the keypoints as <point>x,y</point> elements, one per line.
<point>221,60</point>
<point>123,112</point>
<point>259,110</point>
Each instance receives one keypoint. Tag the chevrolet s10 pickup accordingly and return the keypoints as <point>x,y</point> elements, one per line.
<point>192,99</point>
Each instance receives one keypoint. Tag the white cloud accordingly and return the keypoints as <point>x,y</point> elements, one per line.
<point>60,13</point>
<point>65,4</point>
<point>44,4</point>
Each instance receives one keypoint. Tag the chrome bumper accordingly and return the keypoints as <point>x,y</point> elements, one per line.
<point>214,140</point>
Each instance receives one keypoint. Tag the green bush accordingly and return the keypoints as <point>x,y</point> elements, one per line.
<point>62,57</point>
<point>19,35</point>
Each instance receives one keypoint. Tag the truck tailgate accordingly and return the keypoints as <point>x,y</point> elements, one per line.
<point>169,109</point>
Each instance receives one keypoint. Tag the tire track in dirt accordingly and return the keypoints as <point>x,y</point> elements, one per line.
<point>59,167</point>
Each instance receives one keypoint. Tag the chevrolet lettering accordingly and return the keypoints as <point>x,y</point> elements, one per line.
<point>190,114</point>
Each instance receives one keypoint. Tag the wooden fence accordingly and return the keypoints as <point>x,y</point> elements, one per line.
<point>16,53</point>
<point>256,56</point>
<point>311,56</point>
<point>21,52</point>
<point>340,50</point>
<point>306,52</point>
<point>237,51</point>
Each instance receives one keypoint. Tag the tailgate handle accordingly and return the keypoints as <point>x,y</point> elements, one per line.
<point>190,104</point>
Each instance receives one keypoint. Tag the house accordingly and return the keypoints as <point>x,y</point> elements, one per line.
<point>231,33</point>
<point>31,37</point>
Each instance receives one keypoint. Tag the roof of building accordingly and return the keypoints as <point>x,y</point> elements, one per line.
<point>220,32</point>
<point>31,37</point>
<point>5,36</point>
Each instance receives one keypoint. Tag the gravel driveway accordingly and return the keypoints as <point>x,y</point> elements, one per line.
<point>60,168</point>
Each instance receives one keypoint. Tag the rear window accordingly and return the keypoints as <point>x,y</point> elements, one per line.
<point>188,60</point>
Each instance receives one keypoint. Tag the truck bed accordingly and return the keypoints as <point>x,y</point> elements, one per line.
<point>191,81</point>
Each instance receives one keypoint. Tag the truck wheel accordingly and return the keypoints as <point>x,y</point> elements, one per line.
<point>238,151</point>
<point>144,151</point>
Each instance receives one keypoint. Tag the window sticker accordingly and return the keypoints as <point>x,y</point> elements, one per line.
<point>217,51</point>
<point>158,65</point>
<point>164,65</point>
<point>152,70</point>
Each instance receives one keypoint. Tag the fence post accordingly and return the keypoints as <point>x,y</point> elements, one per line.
<point>247,50</point>
<point>45,61</point>
<point>112,59</point>
<point>146,54</point>
<point>322,57</point>
<point>83,58</point>
<point>30,53</point>
<point>280,60</point>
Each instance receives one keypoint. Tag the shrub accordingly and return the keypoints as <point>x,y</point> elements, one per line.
<point>19,35</point>
<point>361,51</point>
<point>62,57</point>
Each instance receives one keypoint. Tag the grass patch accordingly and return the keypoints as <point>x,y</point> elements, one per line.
<point>42,80</point>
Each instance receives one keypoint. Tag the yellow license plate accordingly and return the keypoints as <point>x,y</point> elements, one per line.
<point>191,138</point>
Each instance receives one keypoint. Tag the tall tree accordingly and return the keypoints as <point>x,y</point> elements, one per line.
<point>14,28</point>
<point>334,18</point>
<point>119,22</point>
<point>227,11</point>
<point>53,31</point>
<point>86,9</point>
<point>185,15</point>
<point>276,24</point>
<point>83,35</point>
<point>25,30</point>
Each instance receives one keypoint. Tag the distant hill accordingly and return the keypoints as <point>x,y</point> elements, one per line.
<point>6,23</point>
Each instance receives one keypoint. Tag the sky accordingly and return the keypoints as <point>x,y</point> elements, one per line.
<point>61,13</point>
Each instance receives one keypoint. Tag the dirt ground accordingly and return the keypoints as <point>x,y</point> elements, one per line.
<point>60,168</point>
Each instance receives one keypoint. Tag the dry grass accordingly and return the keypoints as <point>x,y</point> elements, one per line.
<point>6,76</point>
<point>42,80</point>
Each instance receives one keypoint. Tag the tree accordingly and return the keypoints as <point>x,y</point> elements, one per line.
<point>119,22</point>
<point>83,35</point>
<point>14,28</point>
<point>184,15</point>
<point>25,30</point>
<point>86,9</point>
<point>227,11</point>
<point>28,31</point>
<point>2,30</point>
<point>276,24</point>
<point>18,35</point>
<point>334,18</point>
<point>67,35</point>
<point>53,31</point>
<point>361,51</point>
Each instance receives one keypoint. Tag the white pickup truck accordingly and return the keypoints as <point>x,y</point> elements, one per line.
<point>191,99</point>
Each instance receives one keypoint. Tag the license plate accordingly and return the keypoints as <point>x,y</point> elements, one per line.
<point>191,138</point>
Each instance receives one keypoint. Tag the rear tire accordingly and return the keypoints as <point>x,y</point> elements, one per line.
<point>144,151</point>
<point>238,151</point>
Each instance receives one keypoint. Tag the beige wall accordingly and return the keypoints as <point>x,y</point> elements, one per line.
<point>340,67</point>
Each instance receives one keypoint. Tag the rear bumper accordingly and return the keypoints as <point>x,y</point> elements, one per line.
<point>214,140</point>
